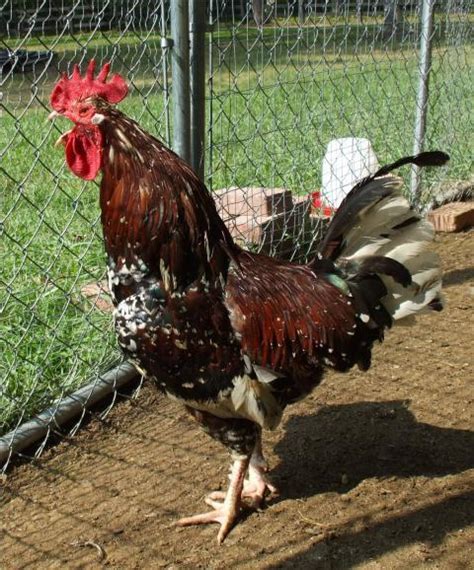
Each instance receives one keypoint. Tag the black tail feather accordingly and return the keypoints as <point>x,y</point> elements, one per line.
<point>386,266</point>
<point>429,158</point>
<point>367,302</point>
<point>436,304</point>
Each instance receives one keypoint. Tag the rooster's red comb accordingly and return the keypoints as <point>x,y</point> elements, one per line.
<point>70,89</point>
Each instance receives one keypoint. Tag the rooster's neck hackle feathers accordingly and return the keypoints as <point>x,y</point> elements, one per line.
<point>175,231</point>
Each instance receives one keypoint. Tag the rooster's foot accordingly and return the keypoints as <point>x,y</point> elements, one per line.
<point>227,512</point>
<point>224,515</point>
<point>257,485</point>
<point>254,489</point>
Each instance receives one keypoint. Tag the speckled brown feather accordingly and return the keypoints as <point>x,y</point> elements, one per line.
<point>165,205</point>
<point>157,215</point>
<point>288,315</point>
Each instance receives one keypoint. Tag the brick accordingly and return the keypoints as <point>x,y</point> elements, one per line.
<point>98,295</point>
<point>288,235</point>
<point>452,217</point>
<point>252,201</point>
<point>258,230</point>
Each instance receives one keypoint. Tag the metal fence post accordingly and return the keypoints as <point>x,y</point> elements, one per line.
<point>197,23</point>
<point>180,75</point>
<point>210,85</point>
<point>422,96</point>
<point>165,46</point>
<point>64,410</point>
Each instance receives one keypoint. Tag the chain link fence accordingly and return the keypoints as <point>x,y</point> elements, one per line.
<point>287,78</point>
<point>55,324</point>
<point>283,80</point>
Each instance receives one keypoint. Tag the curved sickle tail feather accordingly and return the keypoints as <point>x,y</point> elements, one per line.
<point>378,242</point>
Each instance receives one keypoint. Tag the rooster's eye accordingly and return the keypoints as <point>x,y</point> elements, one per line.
<point>83,111</point>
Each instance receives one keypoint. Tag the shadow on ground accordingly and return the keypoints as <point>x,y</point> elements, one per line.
<point>458,276</point>
<point>427,525</point>
<point>343,446</point>
<point>364,440</point>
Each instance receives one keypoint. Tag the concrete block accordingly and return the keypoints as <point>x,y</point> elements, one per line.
<point>291,234</point>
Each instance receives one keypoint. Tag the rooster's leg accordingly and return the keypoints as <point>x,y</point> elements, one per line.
<point>240,437</point>
<point>225,513</point>
<point>257,484</point>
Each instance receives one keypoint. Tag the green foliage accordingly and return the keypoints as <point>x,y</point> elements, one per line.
<point>274,132</point>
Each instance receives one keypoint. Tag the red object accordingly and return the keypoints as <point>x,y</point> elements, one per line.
<point>84,151</point>
<point>69,90</point>
<point>318,205</point>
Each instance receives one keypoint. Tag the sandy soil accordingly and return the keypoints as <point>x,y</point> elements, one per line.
<point>375,470</point>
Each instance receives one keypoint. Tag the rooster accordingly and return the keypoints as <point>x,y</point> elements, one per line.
<point>238,336</point>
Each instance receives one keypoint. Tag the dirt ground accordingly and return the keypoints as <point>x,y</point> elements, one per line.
<point>375,470</point>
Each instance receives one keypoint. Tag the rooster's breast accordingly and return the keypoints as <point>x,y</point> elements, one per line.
<point>182,341</point>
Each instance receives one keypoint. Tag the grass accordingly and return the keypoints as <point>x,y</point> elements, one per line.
<point>275,107</point>
<point>275,132</point>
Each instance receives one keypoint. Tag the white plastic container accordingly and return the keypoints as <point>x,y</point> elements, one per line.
<point>346,161</point>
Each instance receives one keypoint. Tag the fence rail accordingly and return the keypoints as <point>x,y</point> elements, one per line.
<point>267,88</point>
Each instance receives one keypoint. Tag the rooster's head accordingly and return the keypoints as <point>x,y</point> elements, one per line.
<point>82,100</point>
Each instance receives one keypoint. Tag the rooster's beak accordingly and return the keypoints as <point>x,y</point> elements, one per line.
<point>62,140</point>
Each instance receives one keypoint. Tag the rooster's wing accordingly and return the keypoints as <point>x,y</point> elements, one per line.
<point>289,316</point>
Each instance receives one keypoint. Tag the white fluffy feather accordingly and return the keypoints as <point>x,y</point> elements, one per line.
<point>250,399</point>
<point>254,401</point>
<point>375,233</point>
